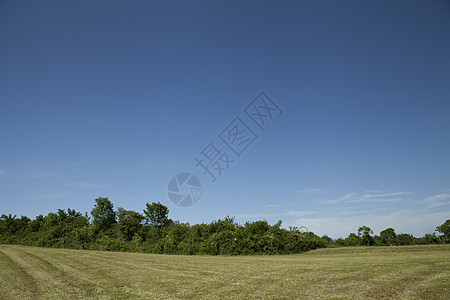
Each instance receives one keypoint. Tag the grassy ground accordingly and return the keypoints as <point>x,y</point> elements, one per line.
<point>413,272</point>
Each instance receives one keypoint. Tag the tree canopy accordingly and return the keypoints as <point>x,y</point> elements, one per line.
<point>103,214</point>
<point>157,214</point>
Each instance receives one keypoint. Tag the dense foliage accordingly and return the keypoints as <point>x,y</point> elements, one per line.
<point>388,237</point>
<point>154,232</point>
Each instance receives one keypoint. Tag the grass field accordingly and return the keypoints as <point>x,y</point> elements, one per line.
<point>410,272</point>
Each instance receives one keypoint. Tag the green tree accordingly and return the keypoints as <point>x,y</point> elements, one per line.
<point>352,240</point>
<point>257,227</point>
<point>327,240</point>
<point>11,226</point>
<point>388,236</point>
<point>445,230</point>
<point>340,242</point>
<point>157,215</point>
<point>405,239</point>
<point>103,215</point>
<point>364,233</point>
<point>429,238</point>
<point>130,222</point>
<point>37,223</point>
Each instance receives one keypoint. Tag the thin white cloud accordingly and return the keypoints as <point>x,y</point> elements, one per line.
<point>373,191</point>
<point>343,198</point>
<point>2,173</point>
<point>362,199</point>
<point>372,197</point>
<point>347,196</point>
<point>437,200</point>
<point>381,195</point>
<point>298,213</point>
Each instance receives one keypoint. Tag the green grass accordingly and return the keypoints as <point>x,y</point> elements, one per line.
<point>409,272</point>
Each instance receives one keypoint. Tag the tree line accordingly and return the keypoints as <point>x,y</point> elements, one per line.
<point>154,232</point>
<point>388,237</point>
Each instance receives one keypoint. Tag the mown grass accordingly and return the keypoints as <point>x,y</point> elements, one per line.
<point>408,272</point>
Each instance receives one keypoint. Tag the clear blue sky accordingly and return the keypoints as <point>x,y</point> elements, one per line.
<point>113,98</point>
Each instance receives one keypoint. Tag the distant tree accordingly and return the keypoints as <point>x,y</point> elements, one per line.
<point>388,236</point>
<point>445,230</point>
<point>36,224</point>
<point>257,227</point>
<point>364,233</point>
<point>405,239</point>
<point>352,240</point>
<point>10,225</point>
<point>328,241</point>
<point>130,222</point>
<point>103,215</point>
<point>157,215</point>
<point>340,242</point>
<point>429,238</point>
<point>276,227</point>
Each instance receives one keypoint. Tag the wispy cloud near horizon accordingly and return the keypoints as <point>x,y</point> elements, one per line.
<point>437,200</point>
<point>354,197</point>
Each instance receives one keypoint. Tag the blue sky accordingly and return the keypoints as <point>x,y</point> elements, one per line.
<point>114,98</point>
